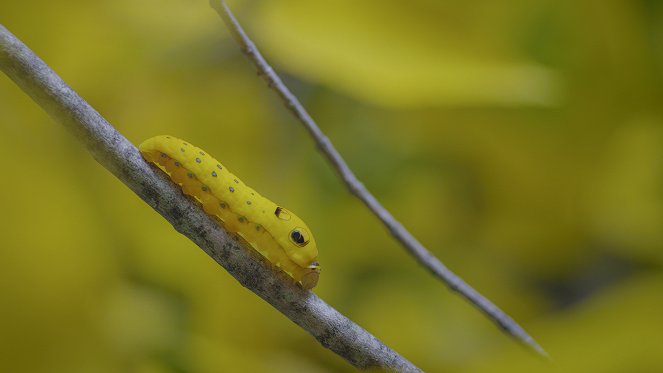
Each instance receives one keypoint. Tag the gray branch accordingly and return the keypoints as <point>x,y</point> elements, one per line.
<point>333,330</point>
<point>397,230</point>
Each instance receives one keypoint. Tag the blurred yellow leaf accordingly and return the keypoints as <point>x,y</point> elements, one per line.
<point>379,53</point>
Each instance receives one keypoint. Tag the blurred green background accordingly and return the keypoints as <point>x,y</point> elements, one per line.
<point>520,141</point>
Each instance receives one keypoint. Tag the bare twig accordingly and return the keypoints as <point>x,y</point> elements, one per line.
<point>333,330</point>
<point>409,242</point>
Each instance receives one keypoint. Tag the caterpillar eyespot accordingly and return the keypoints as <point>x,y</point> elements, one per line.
<point>282,237</point>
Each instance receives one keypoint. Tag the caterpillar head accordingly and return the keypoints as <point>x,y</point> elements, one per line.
<point>298,243</point>
<point>310,279</point>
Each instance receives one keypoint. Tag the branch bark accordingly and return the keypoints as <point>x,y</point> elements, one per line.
<point>114,152</point>
<point>357,188</point>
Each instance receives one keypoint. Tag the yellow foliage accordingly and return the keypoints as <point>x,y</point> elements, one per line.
<point>520,141</point>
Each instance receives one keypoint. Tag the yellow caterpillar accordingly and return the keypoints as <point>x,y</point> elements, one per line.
<point>276,233</point>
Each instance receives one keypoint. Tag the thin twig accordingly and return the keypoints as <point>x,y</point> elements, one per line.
<point>407,240</point>
<point>114,152</point>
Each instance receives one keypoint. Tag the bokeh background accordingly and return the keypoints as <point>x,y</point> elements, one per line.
<point>520,141</point>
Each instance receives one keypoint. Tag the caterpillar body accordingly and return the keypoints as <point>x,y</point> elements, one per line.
<point>276,233</point>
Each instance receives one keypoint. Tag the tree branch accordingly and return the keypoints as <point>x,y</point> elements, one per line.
<point>397,230</point>
<point>333,330</point>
